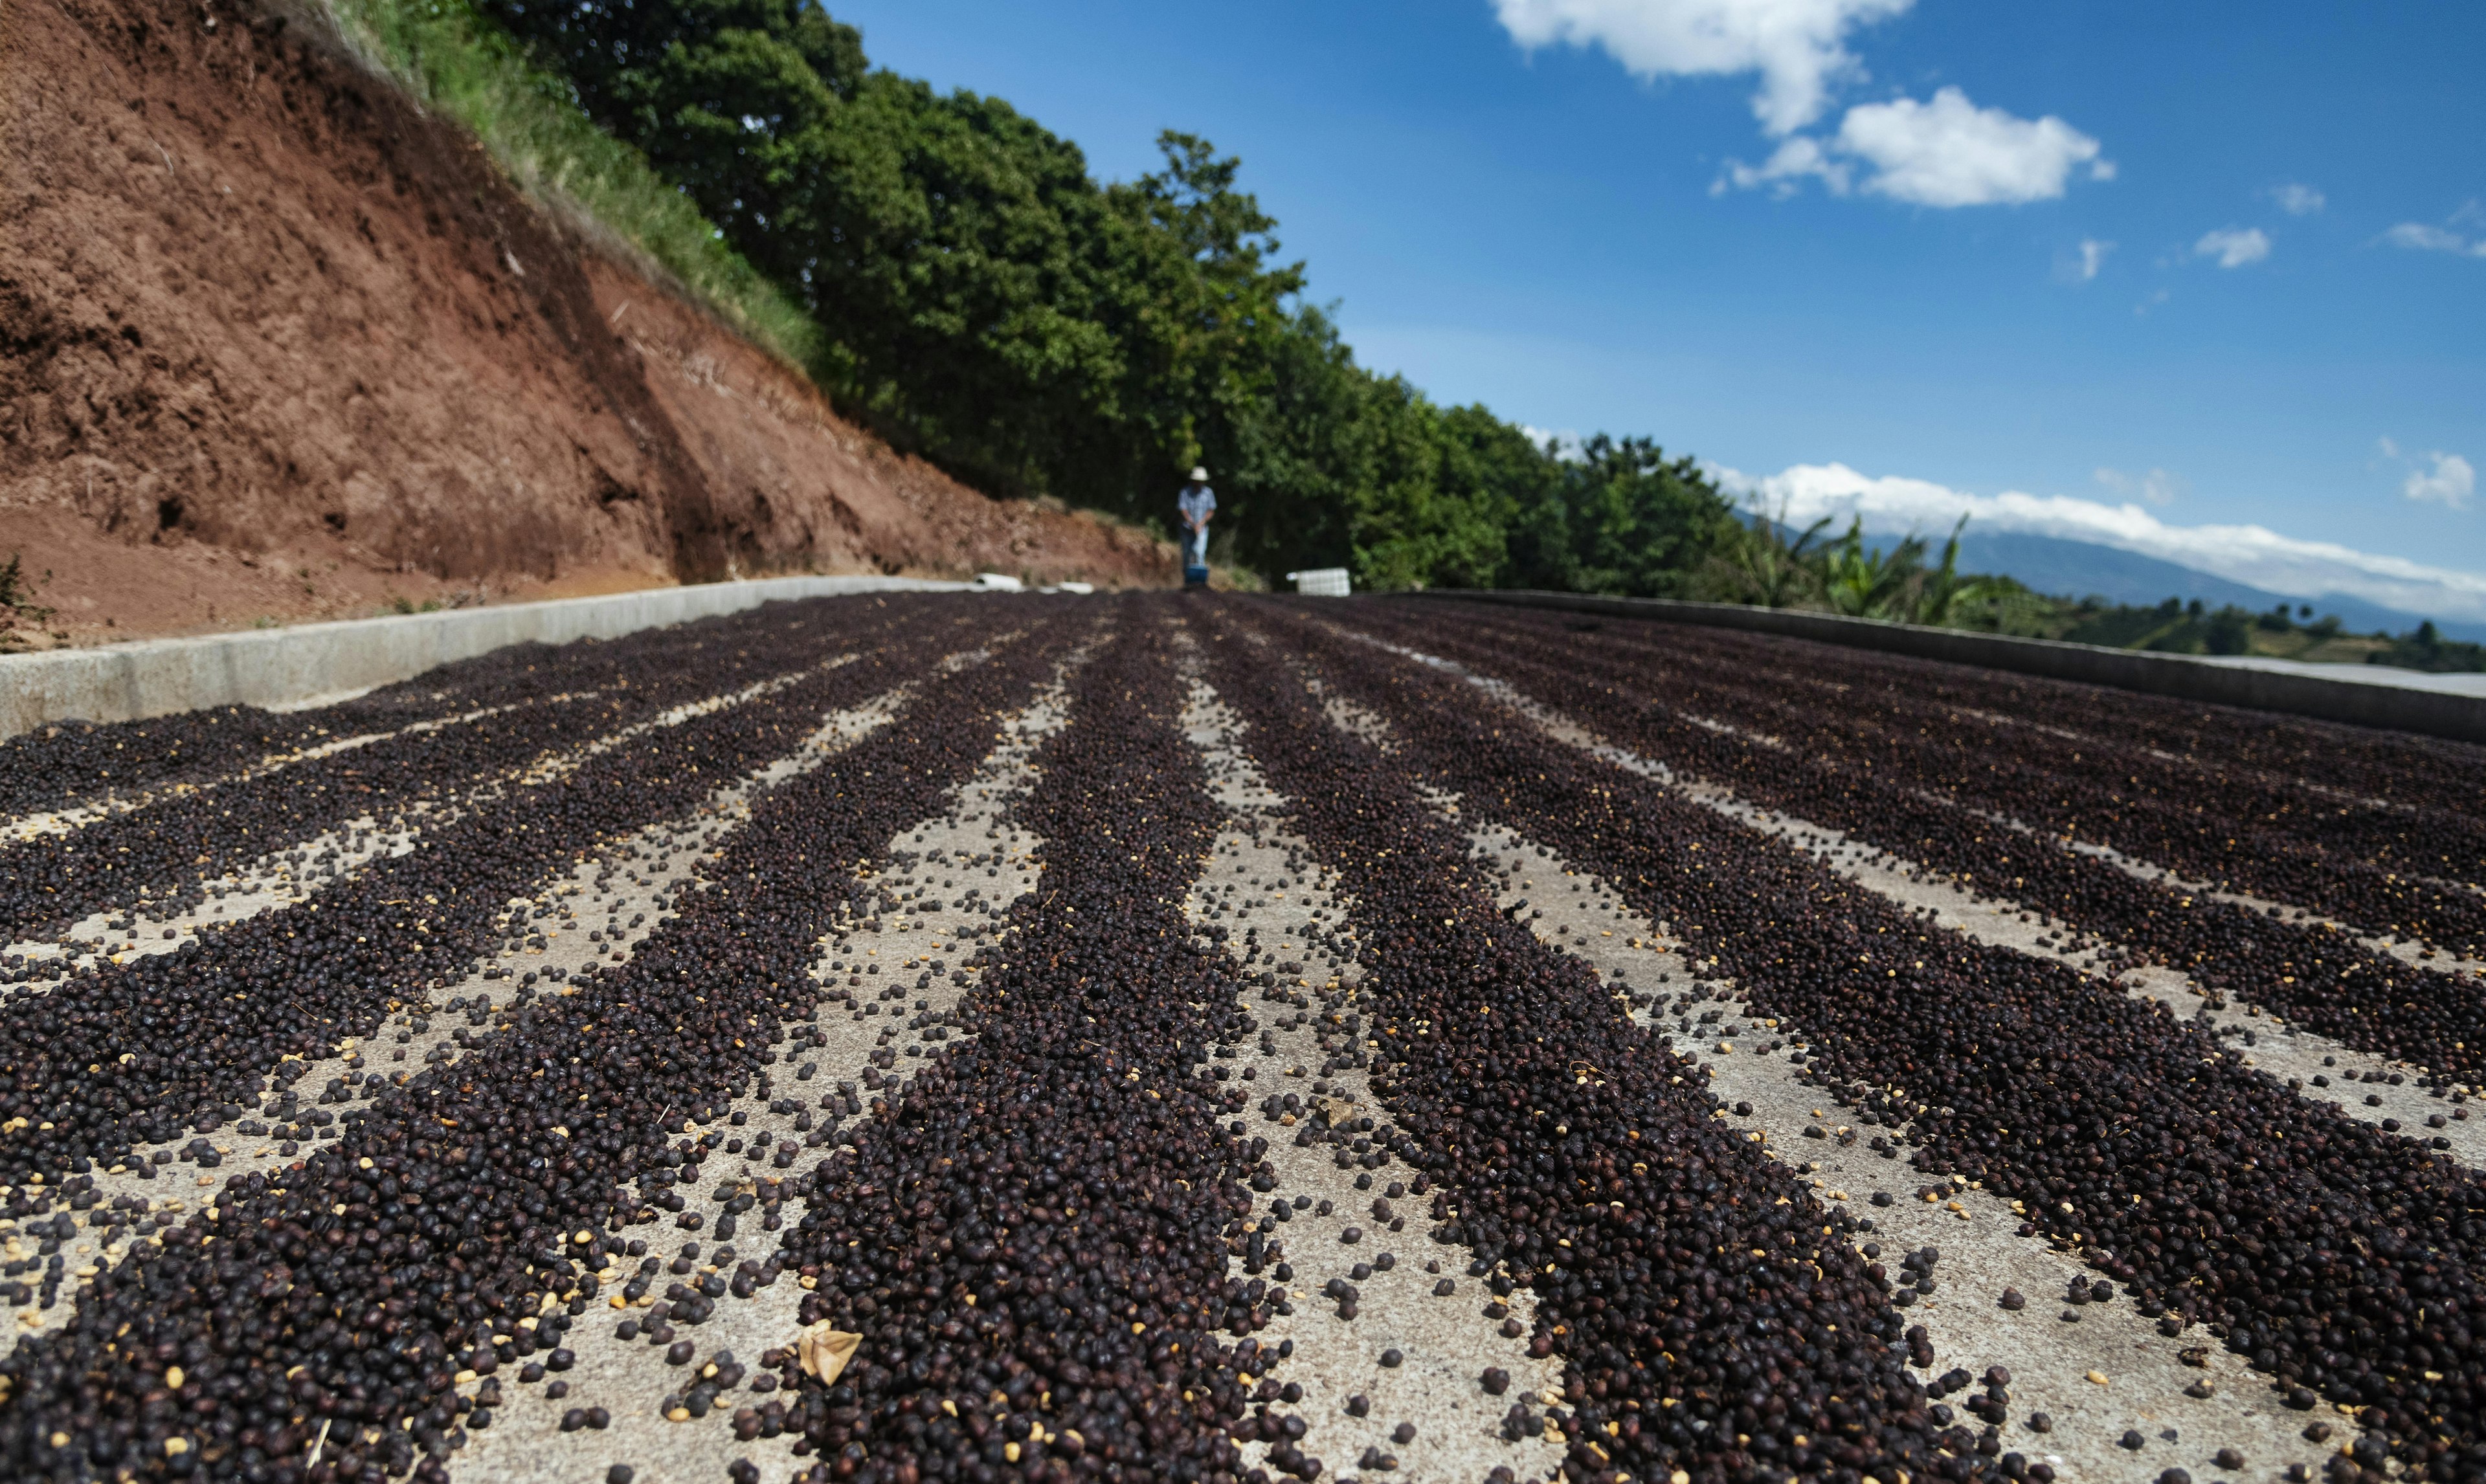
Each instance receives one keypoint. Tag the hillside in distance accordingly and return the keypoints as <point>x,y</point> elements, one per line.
<point>2077,570</point>
<point>275,344</point>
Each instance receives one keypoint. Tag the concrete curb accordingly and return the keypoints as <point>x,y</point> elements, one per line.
<point>2365,700</point>
<point>319,662</point>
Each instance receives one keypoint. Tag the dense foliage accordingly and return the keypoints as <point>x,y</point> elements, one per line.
<point>2175,626</point>
<point>1766,563</point>
<point>983,299</point>
<point>949,271</point>
<point>2424,648</point>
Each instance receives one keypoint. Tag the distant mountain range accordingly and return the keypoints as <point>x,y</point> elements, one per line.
<point>2053,564</point>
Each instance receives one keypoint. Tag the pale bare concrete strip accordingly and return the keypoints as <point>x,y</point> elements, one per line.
<point>962,869</point>
<point>2358,1084</point>
<point>296,872</point>
<point>2050,1359</point>
<point>571,760</point>
<point>1444,1340</point>
<point>2348,1078</point>
<point>76,817</point>
<point>279,879</point>
<point>549,940</point>
<point>2415,953</point>
<point>2371,1088</point>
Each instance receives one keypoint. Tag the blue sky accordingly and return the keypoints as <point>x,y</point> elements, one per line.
<point>2205,282</point>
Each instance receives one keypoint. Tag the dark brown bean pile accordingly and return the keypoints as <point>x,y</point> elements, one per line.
<point>1034,1238</point>
<point>119,1055</point>
<point>350,1287</point>
<point>2339,1258</point>
<point>69,763</point>
<point>1041,1236</point>
<point>72,762</point>
<point>2411,771</point>
<point>1701,1301</point>
<point>173,847</point>
<point>2319,977</point>
<point>2289,839</point>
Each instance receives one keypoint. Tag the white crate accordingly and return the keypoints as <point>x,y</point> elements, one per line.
<point>1321,582</point>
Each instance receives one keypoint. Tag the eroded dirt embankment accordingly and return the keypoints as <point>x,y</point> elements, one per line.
<point>276,345</point>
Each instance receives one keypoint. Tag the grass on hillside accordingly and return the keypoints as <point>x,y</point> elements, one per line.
<point>461,67</point>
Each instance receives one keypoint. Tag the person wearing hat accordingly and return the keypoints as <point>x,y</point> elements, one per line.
<point>1198,503</point>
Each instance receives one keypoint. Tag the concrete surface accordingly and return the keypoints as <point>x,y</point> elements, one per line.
<point>1446,1340</point>
<point>338,854</point>
<point>2055,1362</point>
<point>630,1379</point>
<point>2358,1084</point>
<point>2361,695</point>
<point>2052,1360</point>
<point>316,664</point>
<point>654,864</point>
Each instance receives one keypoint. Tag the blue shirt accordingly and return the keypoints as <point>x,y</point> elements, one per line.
<point>1198,503</point>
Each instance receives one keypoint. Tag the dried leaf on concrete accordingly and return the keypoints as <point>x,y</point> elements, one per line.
<point>825,1350</point>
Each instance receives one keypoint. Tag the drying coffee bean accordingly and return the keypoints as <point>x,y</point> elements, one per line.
<point>1061,1147</point>
<point>1985,1118</point>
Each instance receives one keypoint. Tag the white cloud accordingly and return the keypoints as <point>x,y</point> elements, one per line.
<point>1943,152</point>
<point>2298,199</point>
<point>1565,444</point>
<point>2246,554</point>
<point>1790,163</point>
<point>2451,481</point>
<point>2157,486</point>
<point>1798,47</point>
<point>2233,246</point>
<point>2425,238</point>
<point>2434,239</point>
<point>1950,153</point>
<point>2093,256</point>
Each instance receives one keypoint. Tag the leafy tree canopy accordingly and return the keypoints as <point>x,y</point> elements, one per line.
<point>985,301</point>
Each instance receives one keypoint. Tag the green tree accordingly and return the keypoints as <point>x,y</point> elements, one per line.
<point>732,100</point>
<point>1942,596</point>
<point>1624,519</point>
<point>982,299</point>
<point>1757,564</point>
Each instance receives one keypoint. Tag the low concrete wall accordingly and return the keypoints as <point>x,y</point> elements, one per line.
<point>2367,700</point>
<point>292,666</point>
